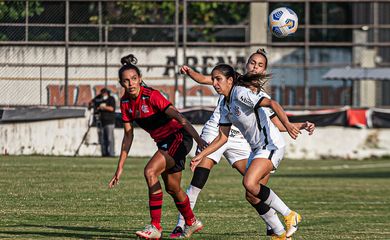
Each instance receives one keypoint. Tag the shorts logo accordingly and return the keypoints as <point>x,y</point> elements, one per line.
<point>164,146</point>
<point>130,111</point>
<point>237,111</point>
<point>145,108</point>
<point>233,133</point>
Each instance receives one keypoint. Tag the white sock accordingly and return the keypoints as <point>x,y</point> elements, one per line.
<point>273,222</point>
<point>192,193</point>
<point>268,226</point>
<point>276,203</point>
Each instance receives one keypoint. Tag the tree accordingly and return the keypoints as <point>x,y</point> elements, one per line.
<point>15,12</point>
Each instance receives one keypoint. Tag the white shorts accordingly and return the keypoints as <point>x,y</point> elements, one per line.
<point>275,156</point>
<point>233,150</point>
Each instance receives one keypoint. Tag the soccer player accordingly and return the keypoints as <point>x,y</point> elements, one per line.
<point>236,150</point>
<point>244,109</point>
<point>173,135</point>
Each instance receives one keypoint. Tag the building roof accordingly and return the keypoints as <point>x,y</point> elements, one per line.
<point>357,74</point>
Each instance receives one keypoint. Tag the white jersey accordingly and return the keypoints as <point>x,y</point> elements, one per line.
<point>212,125</point>
<point>243,111</point>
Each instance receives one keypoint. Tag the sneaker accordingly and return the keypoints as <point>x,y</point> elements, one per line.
<point>176,233</point>
<point>270,232</point>
<point>150,232</point>
<point>189,230</point>
<point>292,221</point>
<point>280,237</point>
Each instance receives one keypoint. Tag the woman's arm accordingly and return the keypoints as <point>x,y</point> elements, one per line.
<point>197,77</point>
<point>308,126</point>
<point>292,130</point>
<point>220,140</point>
<point>174,113</point>
<point>125,148</point>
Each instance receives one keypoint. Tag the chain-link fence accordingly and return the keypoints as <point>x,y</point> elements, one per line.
<point>63,52</point>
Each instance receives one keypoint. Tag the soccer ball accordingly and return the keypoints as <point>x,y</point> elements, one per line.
<point>283,22</point>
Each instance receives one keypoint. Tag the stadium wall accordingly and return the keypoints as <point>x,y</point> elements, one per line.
<point>64,136</point>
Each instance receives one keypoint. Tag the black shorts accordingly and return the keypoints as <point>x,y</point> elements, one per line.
<point>177,145</point>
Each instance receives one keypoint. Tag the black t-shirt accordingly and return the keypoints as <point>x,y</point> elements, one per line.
<point>107,117</point>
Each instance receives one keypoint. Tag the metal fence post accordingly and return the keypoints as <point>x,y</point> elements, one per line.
<point>184,49</point>
<point>66,51</point>
<point>177,9</point>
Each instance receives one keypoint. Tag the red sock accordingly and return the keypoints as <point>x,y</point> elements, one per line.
<point>185,210</point>
<point>155,204</point>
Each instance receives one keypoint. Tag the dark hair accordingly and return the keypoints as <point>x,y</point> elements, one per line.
<point>247,80</point>
<point>262,52</point>
<point>105,90</point>
<point>253,80</point>
<point>227,71</point>
<point>128,62</point>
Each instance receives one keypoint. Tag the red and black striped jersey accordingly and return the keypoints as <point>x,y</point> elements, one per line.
<point>148,111</point>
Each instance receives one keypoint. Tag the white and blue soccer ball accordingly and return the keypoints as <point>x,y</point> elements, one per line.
<point>283,22</point>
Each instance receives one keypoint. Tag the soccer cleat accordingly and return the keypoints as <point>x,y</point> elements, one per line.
<point>279,237</point>
<point>150,232</point>
<point>270,232</point>
<point>189,230</point>
<point>176,233</point>
<point>292,221</point>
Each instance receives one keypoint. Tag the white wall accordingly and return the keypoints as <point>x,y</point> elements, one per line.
<point>62,137</point>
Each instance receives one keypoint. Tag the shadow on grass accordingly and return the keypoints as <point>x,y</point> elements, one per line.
<point>73,232</point>
<point>337,175</point>
<point>103,233</point>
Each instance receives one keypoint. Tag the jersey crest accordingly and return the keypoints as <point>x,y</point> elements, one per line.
<point>144,108</point>
<point>237,111</point>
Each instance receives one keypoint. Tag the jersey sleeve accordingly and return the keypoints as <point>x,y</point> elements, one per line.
<point>224,119</point>
<point>159,102</point>
<point>269,112</point>
<point>249,98</point>
<point>126,116</point>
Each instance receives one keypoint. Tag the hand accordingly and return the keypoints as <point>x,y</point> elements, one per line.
<point>195,161</point>
<point>115,179</point>
<point>309,127</point>
<point>184,69</point>
<point>202,145</point>
<point>293,131</point>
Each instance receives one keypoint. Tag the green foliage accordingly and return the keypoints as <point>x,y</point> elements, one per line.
<point>15,12</point>
<point>131,12</point>
<point>140,12</point>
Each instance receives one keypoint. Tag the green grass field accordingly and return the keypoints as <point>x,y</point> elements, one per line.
<point>68,198</point>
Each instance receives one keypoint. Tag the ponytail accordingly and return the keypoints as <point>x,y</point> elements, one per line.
<point>253,80</point>
<point>129,62</point>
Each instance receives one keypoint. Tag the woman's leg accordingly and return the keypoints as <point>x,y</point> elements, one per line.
<point>154,168</point>
<point>198,181</point>
<point>172,186</point>
<point>259,168</point>
<point>274,225</point>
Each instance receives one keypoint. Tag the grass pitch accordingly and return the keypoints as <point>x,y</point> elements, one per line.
<point>68,198</point>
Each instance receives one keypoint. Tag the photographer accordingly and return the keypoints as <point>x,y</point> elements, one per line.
<point>104,112</point>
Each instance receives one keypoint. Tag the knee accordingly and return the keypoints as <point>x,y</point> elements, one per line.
<point>150,174</point>
<point>250,185</point>
<point>250,198</point>
<point>172,190</point>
